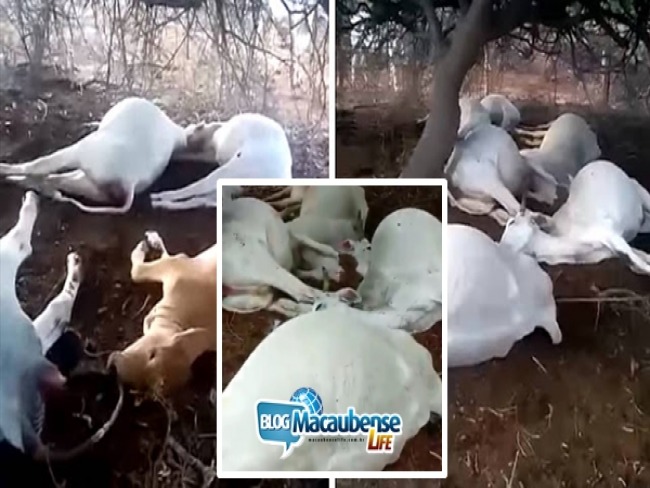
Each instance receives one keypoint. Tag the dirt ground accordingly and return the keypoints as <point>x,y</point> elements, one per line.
<point>109,309</point>
<point>574,415</point>
<point>242,333</point>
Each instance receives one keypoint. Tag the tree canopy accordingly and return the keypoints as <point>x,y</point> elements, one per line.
<point>534,24</point>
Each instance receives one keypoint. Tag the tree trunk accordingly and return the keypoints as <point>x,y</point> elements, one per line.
<point>487,68</point>
<point>412,93</point>
<point>439,136</point>
<point>607,79</point>
<point>343,59</point>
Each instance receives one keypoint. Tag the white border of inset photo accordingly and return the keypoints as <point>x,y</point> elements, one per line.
<point>444,373</point>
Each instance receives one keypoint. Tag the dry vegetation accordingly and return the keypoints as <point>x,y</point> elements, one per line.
<point>243,332</point>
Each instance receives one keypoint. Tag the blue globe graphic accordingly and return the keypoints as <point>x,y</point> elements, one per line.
<point>310,399</point>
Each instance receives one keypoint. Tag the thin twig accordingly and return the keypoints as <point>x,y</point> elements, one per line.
<point>208,475</point>
<point>603,300</point>
<point>510,480</point>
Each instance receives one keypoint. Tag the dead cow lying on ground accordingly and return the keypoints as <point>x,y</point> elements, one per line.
<point>32,352</point>
<point>180,327</point>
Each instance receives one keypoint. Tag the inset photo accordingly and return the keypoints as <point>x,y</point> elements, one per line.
<point>331,328</point>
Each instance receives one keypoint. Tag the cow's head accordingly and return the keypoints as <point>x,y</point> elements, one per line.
<point>199,137</point>
<point>345,297</point>
<point>360,250</point>
<point>160,361</point>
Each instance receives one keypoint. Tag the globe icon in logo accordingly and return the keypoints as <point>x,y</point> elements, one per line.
<point>310,399</point>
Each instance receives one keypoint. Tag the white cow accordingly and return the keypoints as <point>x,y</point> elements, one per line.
<point>605,210</point>
<point>568,145</point>
<point>502,111</point>
<point>402,288</point>
<point>329,215</point>
<point>27,377</point>
<point>249,145</point>
<point>495,298</point>
<point>472,115</point>
<point>349,362</point>
<point>486,167</point>
<point>258,255</point>
<point>129,150</point>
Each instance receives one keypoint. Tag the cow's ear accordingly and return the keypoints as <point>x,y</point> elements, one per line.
<point>190,343</point>
<point>346,246</point>
<point>349,296</point>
